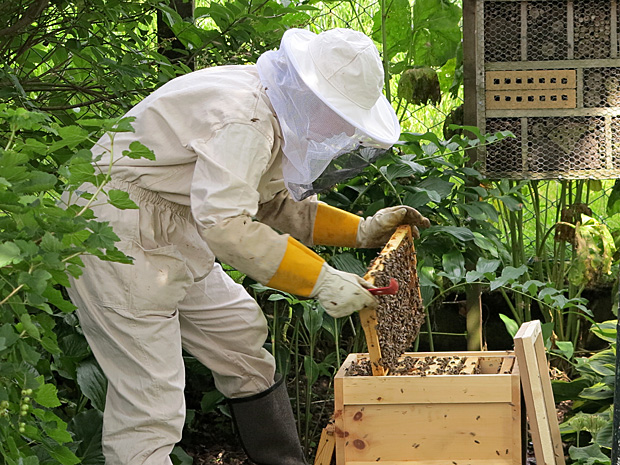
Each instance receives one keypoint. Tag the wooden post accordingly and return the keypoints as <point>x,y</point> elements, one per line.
<point>474,317</point>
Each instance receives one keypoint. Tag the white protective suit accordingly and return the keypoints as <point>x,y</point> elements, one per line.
<point>218,166</point>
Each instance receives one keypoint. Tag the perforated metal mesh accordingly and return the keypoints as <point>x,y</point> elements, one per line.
<point>565,114</point>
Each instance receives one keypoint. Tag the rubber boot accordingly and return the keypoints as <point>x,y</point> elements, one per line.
<point>266,427</point>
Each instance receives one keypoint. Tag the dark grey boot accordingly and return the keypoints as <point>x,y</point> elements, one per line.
<point>266,427</point>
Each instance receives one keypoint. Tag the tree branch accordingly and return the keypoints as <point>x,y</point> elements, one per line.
<point>30,15</point>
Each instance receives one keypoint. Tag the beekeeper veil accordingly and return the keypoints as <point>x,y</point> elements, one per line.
<point>326,90</point>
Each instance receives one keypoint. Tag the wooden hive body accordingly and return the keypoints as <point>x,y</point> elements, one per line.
<point>467,419</point>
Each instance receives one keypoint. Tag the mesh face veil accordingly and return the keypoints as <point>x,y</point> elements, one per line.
<point>317,140</point>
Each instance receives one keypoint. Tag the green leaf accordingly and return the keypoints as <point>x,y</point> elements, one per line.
<point>9,254</point>
<point>511,203</point>
<point>453,264</point>
<point>92,382</point>
<point>460,233</point>
<point>120,199</point>
<point>29,326</point>
<point>487,266</point>
<point>180,457</point>
<point>139,150</point>
<point>436,32</point>
<point>606,330</point>
<point>313,319</point>
<point>613,201</point>
<point>81,171</point>
<point>47,396</point>
<point>509,274</point>
<point>348,262</point>
<point>210,401</point>
<point>511,325</point>
<point>589,455</point>
<point>70,136</point>
<point>87,428</point>
<point>38,181</point>
<point>565,348</point>
<point>64,455</point>
<point>8,336</point>
<point>397,27</point>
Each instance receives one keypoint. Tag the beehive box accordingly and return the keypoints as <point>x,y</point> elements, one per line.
<point>431,419</point>
<point>549,72</point>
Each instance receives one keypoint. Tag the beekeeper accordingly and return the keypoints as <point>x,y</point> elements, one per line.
<point>239,151</point>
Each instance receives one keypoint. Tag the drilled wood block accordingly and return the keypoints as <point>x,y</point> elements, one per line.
<point>530,99</point>
<point>473,417</point>
<point>391,328</point>
<point>531,79</point>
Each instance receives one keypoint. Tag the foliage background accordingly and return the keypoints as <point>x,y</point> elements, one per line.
<point>70,69</point>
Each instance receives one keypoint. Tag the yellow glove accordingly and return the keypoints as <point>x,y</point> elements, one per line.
<point>333,226</point>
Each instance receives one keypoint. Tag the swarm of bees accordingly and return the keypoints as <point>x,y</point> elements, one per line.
<point>420,366</point>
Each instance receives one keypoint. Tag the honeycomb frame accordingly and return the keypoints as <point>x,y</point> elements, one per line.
<point>393,326</point>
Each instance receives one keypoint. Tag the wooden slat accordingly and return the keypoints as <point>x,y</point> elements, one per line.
<point>538,395</point>
<point>453,432</point>
<point>325,450</point>
<point>507,364</point>
<point>499,461</point>
<point>438,389</point>
<point>471,364</point>
<point>553,64</point>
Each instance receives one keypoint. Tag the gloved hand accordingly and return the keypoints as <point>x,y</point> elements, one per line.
<point>342,293</point>
<point>376,230</point>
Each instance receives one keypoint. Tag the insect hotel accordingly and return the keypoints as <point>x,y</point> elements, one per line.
<point>549,72</point>
<point>462,408</point>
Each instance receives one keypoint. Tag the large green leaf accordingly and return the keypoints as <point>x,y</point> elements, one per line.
<point>436,32</point>
<point>86,428</point>
<point>397,27</point>
<point>92,382</point>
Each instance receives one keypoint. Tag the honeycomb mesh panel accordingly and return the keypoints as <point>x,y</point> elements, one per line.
<point>502,29</point>
<point>504,157</point>
<point>615,142</point>
<point>592,29</point>
<point>547,37</point>
<point>601,87</point>
<point>566,144</point>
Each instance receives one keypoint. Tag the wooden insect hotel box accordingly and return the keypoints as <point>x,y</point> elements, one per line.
<point>549,72</point>
<point>458,408</point>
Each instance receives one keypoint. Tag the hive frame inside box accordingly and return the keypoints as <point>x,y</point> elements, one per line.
<point>571,136</point>
<point>437,419</point>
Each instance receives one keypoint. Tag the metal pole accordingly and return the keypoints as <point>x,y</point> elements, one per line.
<point>615,444</point>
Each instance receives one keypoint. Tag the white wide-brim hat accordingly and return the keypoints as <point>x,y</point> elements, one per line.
<point>343,68</point>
